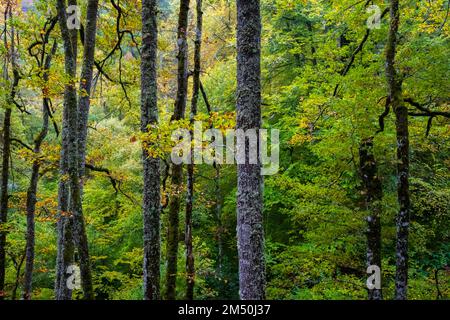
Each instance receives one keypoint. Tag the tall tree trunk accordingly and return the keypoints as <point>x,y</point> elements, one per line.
<point>70,105</point>
<point>4,196</point>
<point>177,170</point>
<point>219,200</point>
<point>218,212</point>
<point>83,116</point>
<point>32,189</point>
<point>401,114</point>
<point>149,116</point>
<point>65,247</point>
<point>65,244</point>
<point>66,250</point>
<point>190,262</point>
<point>31,207</point>
<point>250,230</point>
<point>373,195</point>
<point>84,101</point>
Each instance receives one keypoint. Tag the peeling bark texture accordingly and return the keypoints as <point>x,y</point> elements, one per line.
<point>250,230</point>
<point>149,116</point>
<point>190,261</point>
<point>401,113</point>
<point>373,195</point>
<point>177,170</point>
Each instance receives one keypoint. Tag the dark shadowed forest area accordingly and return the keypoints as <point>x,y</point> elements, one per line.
<point>224,150</point>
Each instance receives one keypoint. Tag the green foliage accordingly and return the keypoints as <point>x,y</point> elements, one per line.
<point>313,208</point>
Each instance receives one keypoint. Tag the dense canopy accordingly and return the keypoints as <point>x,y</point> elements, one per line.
<point>94,207</point>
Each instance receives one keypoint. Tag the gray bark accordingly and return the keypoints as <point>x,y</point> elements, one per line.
<point>250,231</point>
<point>86,80</point>
<point>149,116</point>
<point>83,116</point>
<point>190,261</point>
<point>70,158</point>
<point>401,112</point>
<point>65,246</point>
<point>177,170</point>
<point>373,197</point>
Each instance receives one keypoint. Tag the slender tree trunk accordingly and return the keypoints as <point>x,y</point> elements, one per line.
<point>32,189</point>
<point>219,200</point>
<point>401,113</point>
<point>172,234</point>
<point>4,196</point>
<point>65,244</point>
<point>83,116</point>
<point>190,262</point>
<point>436,282</point>
<point>18,266</point>
<point>177,170</point>
<point>373,193</point>
<point>75,205</point>
<point>218,212</point>
<point>86,80</point>
<point>250,230</point>
<point>149,116</point>
<point>30,235</point>
<point>65,247</point>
